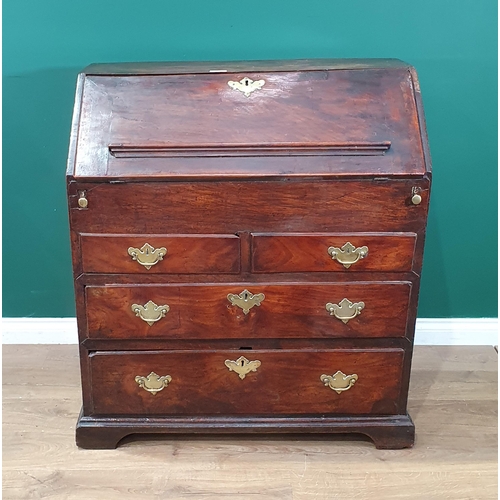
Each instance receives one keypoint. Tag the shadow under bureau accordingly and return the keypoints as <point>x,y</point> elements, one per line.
<point>247,245</point>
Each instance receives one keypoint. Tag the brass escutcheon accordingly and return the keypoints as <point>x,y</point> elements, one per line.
<point>242,366</point>
<point>345,309</point>
<point>348,254</point>
<point>150,312</point>
<point>339,382</point>
<point>147,256</point>
<point>246,85</point>
<point>246,300</point>
<point>153,383</point>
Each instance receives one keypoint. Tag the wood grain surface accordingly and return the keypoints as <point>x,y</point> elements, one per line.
<point>292,310</point>
<point>453,401</point>
<point>291,253</point>
<point>185,254</point>
<point>285,382</point>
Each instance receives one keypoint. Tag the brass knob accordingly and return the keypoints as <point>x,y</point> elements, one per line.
<point>416,199</point>
<point>82,200</point>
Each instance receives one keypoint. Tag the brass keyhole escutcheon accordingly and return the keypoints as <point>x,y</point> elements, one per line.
<point>242,366</point>
<point>246,300</point>
<point>246,85</point>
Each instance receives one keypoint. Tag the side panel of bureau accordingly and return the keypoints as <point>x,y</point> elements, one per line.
<point>283,382</point>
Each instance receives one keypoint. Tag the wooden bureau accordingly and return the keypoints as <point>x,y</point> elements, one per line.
<point>247,244</point>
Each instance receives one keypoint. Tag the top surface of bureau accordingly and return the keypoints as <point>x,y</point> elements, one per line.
<point>184,121</point>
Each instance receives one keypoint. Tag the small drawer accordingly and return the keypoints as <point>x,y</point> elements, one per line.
<point>289,253</point>
<point>165,254</point>
<point>248,310</point>
<point>250,382</point>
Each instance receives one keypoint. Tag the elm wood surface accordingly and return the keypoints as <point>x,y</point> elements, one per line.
<point>287,382</point>
<point>290,110</point>
<point>288,310</point>
<point>257,206</point>
<point>288,253</point>
<point>191,254</point>
<point>193,67</point>
<point>333,149</point>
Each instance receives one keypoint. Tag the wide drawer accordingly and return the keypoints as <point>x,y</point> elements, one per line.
<point>178,254</point>
<point>284,253</point>
<point>248,310</point>
<point>259,382</point>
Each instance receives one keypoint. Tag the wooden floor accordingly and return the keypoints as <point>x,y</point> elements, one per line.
<point>452,401</point>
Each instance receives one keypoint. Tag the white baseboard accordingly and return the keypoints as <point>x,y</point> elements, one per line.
<point>429,331</point>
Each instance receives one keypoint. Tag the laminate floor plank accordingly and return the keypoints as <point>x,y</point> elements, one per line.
<point>453,397</point>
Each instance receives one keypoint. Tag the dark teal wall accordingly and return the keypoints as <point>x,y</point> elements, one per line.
<point>452,43</point>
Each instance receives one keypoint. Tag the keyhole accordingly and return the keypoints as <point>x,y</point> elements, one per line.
<point>246,83</point>
<point>245,296</point>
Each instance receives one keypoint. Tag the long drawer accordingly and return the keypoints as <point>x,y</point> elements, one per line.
<point>248,310</point>
<point>257,382</point>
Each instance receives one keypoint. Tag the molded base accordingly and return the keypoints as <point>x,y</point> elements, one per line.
<point>390,432</point>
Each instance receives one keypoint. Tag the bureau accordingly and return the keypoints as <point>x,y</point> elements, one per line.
<point>247,242</point>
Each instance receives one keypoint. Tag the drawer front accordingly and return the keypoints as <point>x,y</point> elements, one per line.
<point>259,383</point>
<point>266,206</point>
<point>248,310</point>
<point>288,253</point>
<point>152,254</point>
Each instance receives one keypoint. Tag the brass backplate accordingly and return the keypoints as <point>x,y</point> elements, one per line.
<point>339,382</point>
<point>345,310</point>
<point>153,383</point>
<point>150,312</point>
<point>147,255</point>
<point>348,254</point>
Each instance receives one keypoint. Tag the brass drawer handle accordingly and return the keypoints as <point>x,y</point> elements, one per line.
<point>348,254</point>
<point>242,366</point>
<point>147,255</point>
<point>339,382</point>
<point>150,312</point>
<point>153,383</point>
<point>246,85</point>
<point>246,300</point>
<point>345,310</point>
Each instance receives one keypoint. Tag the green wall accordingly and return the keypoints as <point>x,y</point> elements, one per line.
<point>452,43</point>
